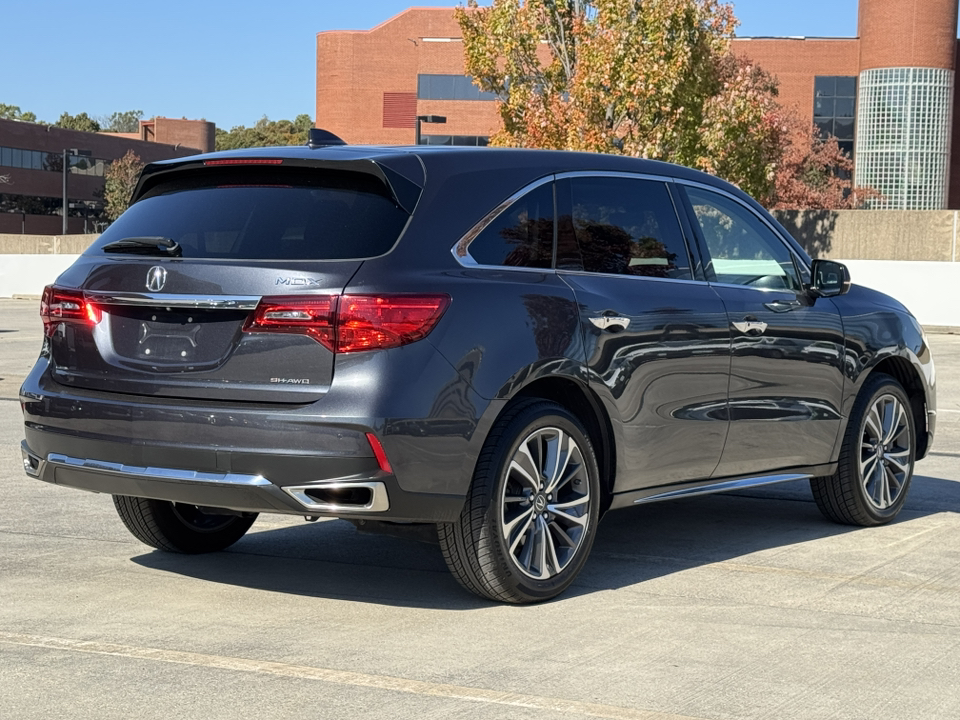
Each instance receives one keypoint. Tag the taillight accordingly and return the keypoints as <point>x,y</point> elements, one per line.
<point>351,323</point>
<point>377,322</point>
<point>315,316</point>
<point>58,305</point>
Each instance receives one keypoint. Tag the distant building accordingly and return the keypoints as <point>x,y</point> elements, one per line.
<point>31,168</point>
<point>887,95</point>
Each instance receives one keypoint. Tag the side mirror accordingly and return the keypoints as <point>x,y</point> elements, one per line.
<point>830,278</point>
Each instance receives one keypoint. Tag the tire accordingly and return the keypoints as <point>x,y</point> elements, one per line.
<point>524,537</point>
<point>876,459</point>
<point>180,528</point>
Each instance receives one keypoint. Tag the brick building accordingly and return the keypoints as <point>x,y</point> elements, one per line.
<point>887,94</point>
<point>31,168</point>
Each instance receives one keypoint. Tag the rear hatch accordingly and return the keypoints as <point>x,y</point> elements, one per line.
<point>139,315</point>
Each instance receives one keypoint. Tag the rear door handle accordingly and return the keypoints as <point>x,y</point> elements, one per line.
<point>751,326</point>
<point>611,322</point>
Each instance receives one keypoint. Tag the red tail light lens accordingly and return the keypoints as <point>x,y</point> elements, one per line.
<point>351,323</point>
<point>244,161</point>
<point>377,322</point>
<point>314,316</point>
<point>58,305</point>
<point>378,453</point>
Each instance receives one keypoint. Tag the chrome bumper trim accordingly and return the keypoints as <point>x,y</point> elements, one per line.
<point>154,473</point>
<point>379,502</point>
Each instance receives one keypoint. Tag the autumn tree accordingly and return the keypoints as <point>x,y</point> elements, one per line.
<point>81,121</point>
<point>647,79</point>
<point>13,112</point>
<point>266,133</point>
<point>120,180</point>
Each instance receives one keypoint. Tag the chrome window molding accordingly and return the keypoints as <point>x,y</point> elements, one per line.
<point>587,273</point>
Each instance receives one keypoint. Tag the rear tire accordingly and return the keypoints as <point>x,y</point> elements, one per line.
<point>175,527</point>
<point>530,519</point>
<point>876,459</point>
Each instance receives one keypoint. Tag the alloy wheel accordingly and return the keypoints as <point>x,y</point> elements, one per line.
<point>885,452</point>
<point>545,503</point>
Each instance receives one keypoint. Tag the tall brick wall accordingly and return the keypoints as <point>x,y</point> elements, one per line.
<point>907,33</point>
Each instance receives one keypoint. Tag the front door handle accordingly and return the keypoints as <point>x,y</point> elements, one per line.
<point>751,326</point>
<point>611,322</point>
<point>781,306</point>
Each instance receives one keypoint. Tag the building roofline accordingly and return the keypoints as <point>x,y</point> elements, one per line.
<point>415,8</point>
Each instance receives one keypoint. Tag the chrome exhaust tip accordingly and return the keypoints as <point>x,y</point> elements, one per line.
<point>342,496</point>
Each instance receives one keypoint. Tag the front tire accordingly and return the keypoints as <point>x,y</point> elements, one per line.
<point>876,459</point>
<point>180,528</point>
<point>531,516</point>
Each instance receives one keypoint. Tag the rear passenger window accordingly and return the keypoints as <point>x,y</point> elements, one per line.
<point>520,236</point>
<point>622,227</point>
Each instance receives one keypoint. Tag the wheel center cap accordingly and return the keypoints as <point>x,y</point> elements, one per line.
<point>540,503</point>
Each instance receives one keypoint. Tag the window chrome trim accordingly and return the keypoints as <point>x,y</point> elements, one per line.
<point>461,250</point>
<point>587,273</point>
<point>208,302</point>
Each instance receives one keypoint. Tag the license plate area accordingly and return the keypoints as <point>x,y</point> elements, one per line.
<point>172,338</point>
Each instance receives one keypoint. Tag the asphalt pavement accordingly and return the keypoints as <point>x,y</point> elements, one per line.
<point>746,605</point>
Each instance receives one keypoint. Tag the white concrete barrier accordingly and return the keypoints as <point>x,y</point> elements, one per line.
<point>931,290</point>
<point>28,274</point>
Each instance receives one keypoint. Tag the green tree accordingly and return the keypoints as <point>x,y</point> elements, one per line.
<point>13,112</point>
<point>82,122</point>
<point>266,133</point>
<point>647,79</point>
<point>122,122</point>
<point>120,180</point>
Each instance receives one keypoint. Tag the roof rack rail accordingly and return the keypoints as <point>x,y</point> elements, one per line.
<point>319,137</point>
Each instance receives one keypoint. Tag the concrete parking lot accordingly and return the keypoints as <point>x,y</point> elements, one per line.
<point>728,606</point>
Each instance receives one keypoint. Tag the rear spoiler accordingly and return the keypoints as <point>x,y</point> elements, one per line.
<point>401,173</point>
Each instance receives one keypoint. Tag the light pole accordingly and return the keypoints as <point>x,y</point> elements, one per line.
<point>67,154</point>
<point>440,119</point>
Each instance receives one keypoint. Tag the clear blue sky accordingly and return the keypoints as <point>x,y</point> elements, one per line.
<point>232,61</point>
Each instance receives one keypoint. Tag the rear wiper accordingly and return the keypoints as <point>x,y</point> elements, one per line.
<point>145,246</point>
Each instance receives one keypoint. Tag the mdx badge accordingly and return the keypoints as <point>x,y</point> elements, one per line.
<point>156,278</point>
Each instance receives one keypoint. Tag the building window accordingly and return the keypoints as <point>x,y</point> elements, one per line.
<point>450,87</point>
<point>835,109</point>
<point>38,160</point>
<point>467,140</point>
<point>903,136</point>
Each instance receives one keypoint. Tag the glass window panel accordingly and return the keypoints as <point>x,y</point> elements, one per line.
<point>825,126</point>
<point>6,156</point>
<point>483,141</point>
<point>423,86</point>
<point>743,250</point>
<point>846,87</point>
<point>626,227</point>
<point>824,87</point>
<point>845,107</point>
<point>443,87</point>
<point>16,158</point>
<point>522,235</point>
<point>823,107</point>
<point>36,160</point>
<point>843,129</point>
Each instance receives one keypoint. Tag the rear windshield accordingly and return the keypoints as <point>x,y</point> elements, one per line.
<point>266,214</point>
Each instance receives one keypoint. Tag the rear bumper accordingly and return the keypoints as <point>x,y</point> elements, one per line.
<point>370,494</point>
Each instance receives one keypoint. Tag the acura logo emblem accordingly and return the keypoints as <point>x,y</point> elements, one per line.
<point>156,278</point>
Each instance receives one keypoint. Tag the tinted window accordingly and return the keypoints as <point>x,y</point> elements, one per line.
<point>742,249</point>
<point>522,235</point>
<point>622,227</point>
<point>249,213</point>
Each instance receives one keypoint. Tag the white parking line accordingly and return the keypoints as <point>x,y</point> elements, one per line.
<point>339,677</point>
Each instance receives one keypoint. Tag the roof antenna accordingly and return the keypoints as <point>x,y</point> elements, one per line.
<point>318,138</point>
